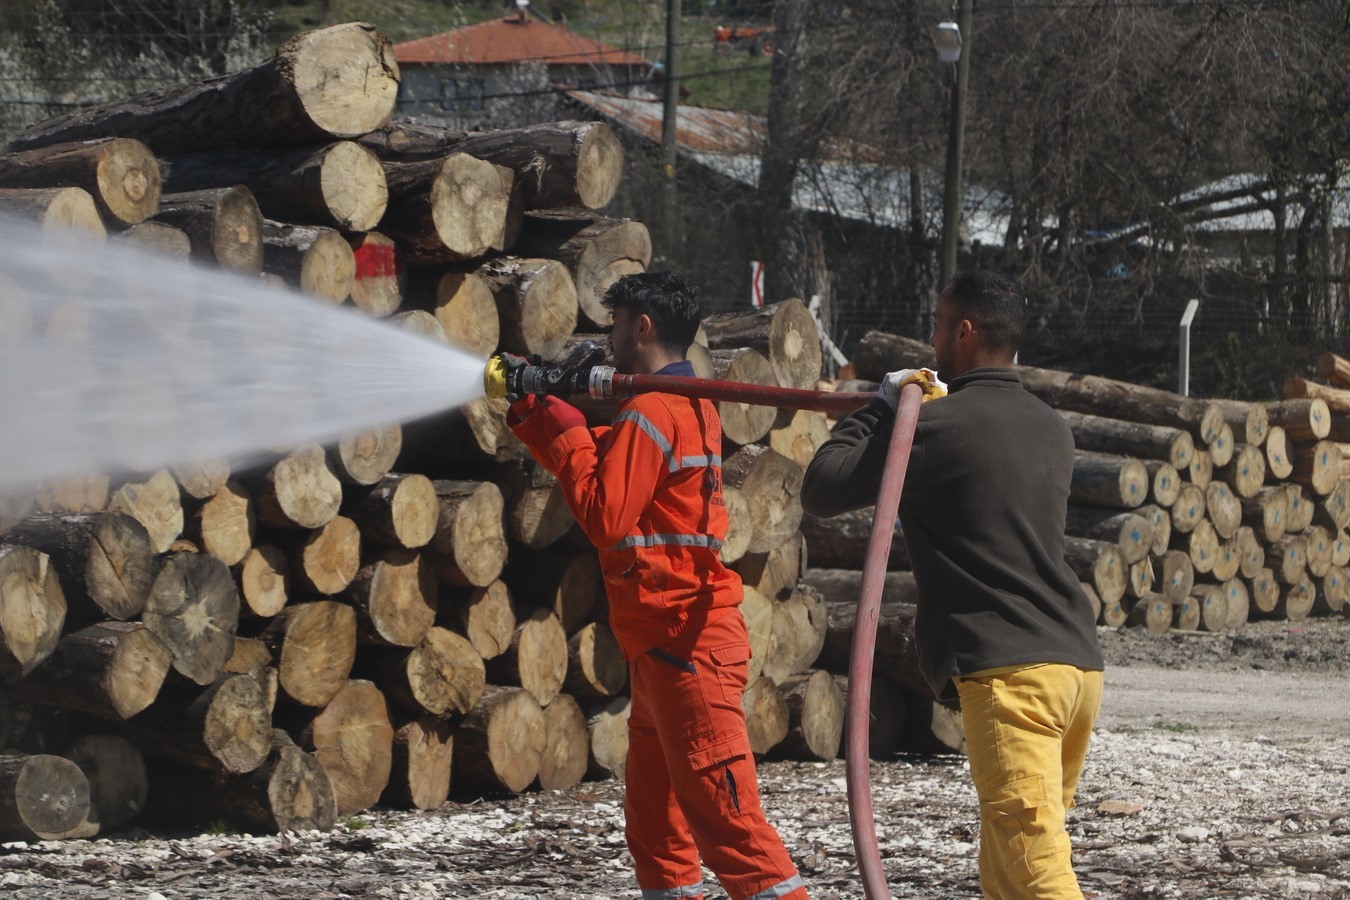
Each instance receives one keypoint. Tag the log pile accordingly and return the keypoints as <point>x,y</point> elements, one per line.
<point>409,614</point>
<point>1194,514</point>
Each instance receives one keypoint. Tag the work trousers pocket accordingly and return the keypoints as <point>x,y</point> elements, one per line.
<point>1021,831</point>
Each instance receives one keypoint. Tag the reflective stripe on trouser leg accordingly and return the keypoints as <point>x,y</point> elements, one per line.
<point>782,889</point>
<point>1026,736</point>
<point>675,893</point>
<point>700,725</point>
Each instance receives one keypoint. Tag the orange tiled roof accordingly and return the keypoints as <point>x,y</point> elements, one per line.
<point>508,40</point>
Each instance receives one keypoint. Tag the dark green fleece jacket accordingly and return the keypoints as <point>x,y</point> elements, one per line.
<point>983,514</point>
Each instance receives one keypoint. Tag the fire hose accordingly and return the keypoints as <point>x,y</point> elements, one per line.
<point>581,373</point>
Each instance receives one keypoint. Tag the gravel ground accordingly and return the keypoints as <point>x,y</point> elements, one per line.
<point>1220,768</point>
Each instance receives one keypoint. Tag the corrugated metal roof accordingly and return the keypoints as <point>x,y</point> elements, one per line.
<point>510,40</point>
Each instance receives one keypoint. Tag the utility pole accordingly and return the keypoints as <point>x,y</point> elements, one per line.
<point>669,198</point>
<point>956,137</point>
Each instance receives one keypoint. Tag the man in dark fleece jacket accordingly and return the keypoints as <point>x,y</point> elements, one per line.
<point>1002,621</point>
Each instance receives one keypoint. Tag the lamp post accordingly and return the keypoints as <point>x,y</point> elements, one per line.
<point>953,46</point>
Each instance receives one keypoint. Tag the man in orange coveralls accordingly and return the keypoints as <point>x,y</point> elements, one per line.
<point>647,491</point>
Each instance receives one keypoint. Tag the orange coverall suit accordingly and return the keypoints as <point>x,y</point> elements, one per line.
<point>648,492</point>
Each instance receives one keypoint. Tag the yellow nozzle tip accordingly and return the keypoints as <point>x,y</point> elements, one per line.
<point>494,378</point>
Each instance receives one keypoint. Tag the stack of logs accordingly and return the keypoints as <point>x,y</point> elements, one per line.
<point>412,610</point>
<point>1193,514</point>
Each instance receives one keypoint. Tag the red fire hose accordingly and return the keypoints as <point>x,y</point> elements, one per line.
<point>856,768</point>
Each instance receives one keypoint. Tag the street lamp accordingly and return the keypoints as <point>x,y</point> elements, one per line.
<point>949,37</point>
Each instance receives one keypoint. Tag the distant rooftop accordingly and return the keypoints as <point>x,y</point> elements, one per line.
<point>510,40</point>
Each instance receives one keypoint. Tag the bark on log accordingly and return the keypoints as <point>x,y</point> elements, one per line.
<point>597,251</point>
<point>444,210</point>
<point>224,525</point>
<point>461,443</point>
<point>366,457</point>
<point>339,185</point>
<point>314,260</point>
<point>1116,482</point>
<point>1278,465</point>
<point>897,654</point>
<point>488,619</point>
<point>105,558</point>
<point>536,658</point>
<point>442,675</point>
<point>225,728</point>
<point>1189,510</point>
<point>775,574</point>
<point>537,514</point>
<point>300,491</point>
<point>469,543</point>
<point>815,717</point>
<point>42,798</point>
<point>1267,513</point>
<point>377,286</point>
<point>771,485</point>
<point>785,333</point>
<point>840,542</point>
<point>223,225</point>
<point>1224,509</point>
<point>744,423</point>
<point>398,511</point>
<point>115,770</point>
<point>1337,399</point>
<point>845,586</point>
<point>1100,564</point>
<point>500,744</point>
<point>121,175</point>
<point>1246,471</point>
<point>333,82</point>
<point>325,561</point>
<point>766,715</point>
<point>1250,421</point>
<point>595,664</point>
<point>32,609</point>
<point>1318,466</point>
<point>536,303</point>
<point>420,772</point>
<point>353,739</point>
<point>112,670</point>
<point>1302,420</point>
<point>314,645</point>
<point>1334,368</point>
<point>156,504</point>
<point>1130,438</point>
<point>194,609</point>
<point>395,599</point>
<point>557,164</point>
<point>607,723</point>
<point>566,745</point>
<point>290,791</point>
<point>932,728</point>
<point>1132,533</point>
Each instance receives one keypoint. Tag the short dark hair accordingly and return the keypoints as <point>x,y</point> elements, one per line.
<point>994,303</point>
<point>669,298</point>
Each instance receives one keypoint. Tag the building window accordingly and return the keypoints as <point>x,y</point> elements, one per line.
<point>462,94</point>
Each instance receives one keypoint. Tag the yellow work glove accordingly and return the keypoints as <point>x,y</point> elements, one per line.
<point>924,378</point>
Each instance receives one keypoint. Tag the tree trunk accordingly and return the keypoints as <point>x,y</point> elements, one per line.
<point>1288,559</point>
<point>449,209</point>
<point>225,728</point>
<point>158,239</point>
<point>1186,614</point>
<point>422,323</point>
<point>420,771</point>
<point>1333,510</point>
<point>1223,446</point>
<point>121,175</point>
<point>771,485</point>
<point>597,251</point>
<point>1301,509</point>
<point>395,599</point>
<point>1100,564</point>
<point>566,745</point>
<point>223,225</point>
<point>399,511</point>
<point>1336,399</point>
<point>194,609</point>
<point>798,435</point>
<point>32,609</point>
<point>262,576</point>
<point>1332,592</point>
<point>784,333</point>
<point>537,514</point>
<point>442,675</point>
<point>105,557</point>
<point>488,619</point>
<point>353,740</point>
<point>377,286</point>
<point>1139,579</point>
<point>314,645</point>
<point>156,504</point>
<point>1164,482</point>
<point>595,664</point>
<point>815,707</point>
<point>1318,466</point>
<point>339,185</point>
<point>758,612</point>
<point>326,560</point>
<point>461,443</point>
<point>1246,471</point>
<point>1201,471</point>
<point>740,526</point>
<point>465,306</point>
<point>1278,464</point>
<point>1239,603</point>
<point>224,525</point>
<point>536,658</point>
<point>1153,612</point>
<point>1267,513</point>
<point>1264,590</point>
<point>68,219</point>
<point>744,423</point>
<point>1250,421</point>
<point>81,494</point>
<point>469,545</point>
<point>300,491</point>
<point>843,586</point>
<point>607,722</point>
<point>1224,509</point>
<point>1189,509</point>
<point>314,260</point>
<point>112,670</point>
<point>332,82</point>
<point>1334,368</point>
<point>766,715</point>
<point>250,656</point>
<point>1178,575</point>
<point>1132,533</point>
<point>1302,420</point>
<point>775,574</point>
<point>897,654</point>
<point>1117,482</point>
<point>365,458</point>
<point>1253,552</point>
<point>840,542</point>
<point>500,745</point>
<point>1228,560</point>
<point>1201,543</point>
<point>1319,551</point>
<point>115,770</point>
<point>536,304</point>
<point>1161,521</point>
<point>1131,438</point>
<point>932,728</point>
<point>1296,601</point>
<point>202,479</point>
<point>42,798</point>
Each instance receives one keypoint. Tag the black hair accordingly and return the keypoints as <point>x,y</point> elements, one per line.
<point>995,305</point>
<point>668,298</point>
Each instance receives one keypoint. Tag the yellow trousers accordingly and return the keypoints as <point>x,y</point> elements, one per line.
<point>1027,735</point>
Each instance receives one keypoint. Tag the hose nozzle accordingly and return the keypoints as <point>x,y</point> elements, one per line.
<point>513,377</point>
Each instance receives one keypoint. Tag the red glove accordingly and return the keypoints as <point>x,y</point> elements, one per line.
<point>542,420</point>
